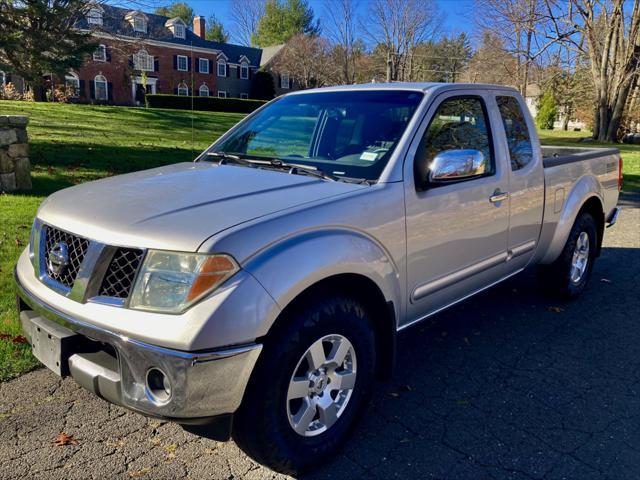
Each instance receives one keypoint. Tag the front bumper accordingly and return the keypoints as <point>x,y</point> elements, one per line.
<point>114,367</point>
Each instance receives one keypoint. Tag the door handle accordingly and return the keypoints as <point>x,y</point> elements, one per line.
<point>498,196</point>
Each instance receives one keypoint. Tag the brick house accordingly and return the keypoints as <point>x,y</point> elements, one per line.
<point>142,53</point>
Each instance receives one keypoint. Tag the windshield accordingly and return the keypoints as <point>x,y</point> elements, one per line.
<point>346,134</point>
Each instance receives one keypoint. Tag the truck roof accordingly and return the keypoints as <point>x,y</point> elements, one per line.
<point>417,86</point>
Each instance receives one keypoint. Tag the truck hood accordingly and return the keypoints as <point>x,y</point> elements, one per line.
<point>179,206</point>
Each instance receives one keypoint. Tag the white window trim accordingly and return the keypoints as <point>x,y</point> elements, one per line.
<point>139,24</point>
<point>285,85</point>
<point>222,94</point>
<point>200,90</point>
<point>179,30</point>
<point>94,16</point>
<point>186,63</point>
<point>106,87</point>
<point>222,63</point>
<point>143,61</point>
<point>203,61</point>
<point>244,68</point>
<point>183,86</point>
<point>244,96</point>
<point>103,57</point>
<point>72,77</point>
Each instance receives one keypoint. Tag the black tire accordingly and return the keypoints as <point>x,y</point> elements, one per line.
<point>556,277</point>
<point>261,425</point>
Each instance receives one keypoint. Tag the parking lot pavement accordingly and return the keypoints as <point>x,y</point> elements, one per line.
<point>509,385</point>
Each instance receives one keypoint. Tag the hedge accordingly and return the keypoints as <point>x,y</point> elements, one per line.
<point>210,104</point>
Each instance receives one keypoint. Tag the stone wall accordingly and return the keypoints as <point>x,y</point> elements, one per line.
<point>15,168</point>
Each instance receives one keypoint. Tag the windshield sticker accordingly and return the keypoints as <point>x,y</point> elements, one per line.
<point>369,156</point>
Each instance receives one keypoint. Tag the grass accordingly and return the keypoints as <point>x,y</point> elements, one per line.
<point>630,154</point>
<point>71,144</point>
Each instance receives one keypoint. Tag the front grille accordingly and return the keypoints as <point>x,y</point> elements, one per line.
<point>76,248</point>
<point>118,280</point>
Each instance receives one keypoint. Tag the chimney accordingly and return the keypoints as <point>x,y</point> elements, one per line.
<point>198,26</point>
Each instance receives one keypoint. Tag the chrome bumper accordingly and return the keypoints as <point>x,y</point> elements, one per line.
<point>203,384</point>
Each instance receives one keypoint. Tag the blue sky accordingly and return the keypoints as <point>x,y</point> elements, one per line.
<point>456,13</point>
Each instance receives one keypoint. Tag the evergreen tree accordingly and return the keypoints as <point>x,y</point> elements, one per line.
<point>216,31</point>
<point>284,19</point>
<point>40,37</point>
<point>177,9</point>
<point>547,112</point>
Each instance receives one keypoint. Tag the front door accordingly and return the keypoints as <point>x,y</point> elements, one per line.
<point>457,230</point>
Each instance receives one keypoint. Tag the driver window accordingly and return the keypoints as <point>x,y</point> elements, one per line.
<point>460,123</point>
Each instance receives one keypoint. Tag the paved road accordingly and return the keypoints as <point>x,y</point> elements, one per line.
<point>508,385</point>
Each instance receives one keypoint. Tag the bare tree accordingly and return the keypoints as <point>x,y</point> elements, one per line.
<point>306,58</point>
<point>340,28</point>
<point>398,26</point>
<point>245,16</point>
<point>521,24</point>
<point>611,39</point>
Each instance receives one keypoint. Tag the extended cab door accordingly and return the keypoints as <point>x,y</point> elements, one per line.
<point>457,227</point>
<point>526,178</point>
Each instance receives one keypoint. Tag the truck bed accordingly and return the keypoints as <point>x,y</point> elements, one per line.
<point>570,172</point>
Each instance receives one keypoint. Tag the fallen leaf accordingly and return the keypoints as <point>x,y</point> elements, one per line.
<point>18,242</point>
<point>140,473</point>
<point>19,339</point>
<point>63,439</point>
<point>556,309</point>
<point>5,336</point>
<point>170,448</point>
<point>605,280</point>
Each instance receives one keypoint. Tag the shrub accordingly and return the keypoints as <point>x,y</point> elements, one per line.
<point>209,104</point>
<point>548,111</point>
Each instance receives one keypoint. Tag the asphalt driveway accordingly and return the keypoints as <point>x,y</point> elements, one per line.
<point>507,385</point>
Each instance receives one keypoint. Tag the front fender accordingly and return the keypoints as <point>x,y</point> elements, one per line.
<point>287,268</point>
<point>584,189</point>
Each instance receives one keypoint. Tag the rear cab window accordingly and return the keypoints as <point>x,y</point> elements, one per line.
<point>516,131</point>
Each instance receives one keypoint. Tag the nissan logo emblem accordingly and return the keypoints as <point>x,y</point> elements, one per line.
<point>58,258</point>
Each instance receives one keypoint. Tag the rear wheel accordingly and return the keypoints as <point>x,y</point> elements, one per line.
<point>312,381</point>
<point>568,276</point>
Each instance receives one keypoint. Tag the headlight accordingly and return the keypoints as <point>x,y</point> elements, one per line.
<point>170,281</point>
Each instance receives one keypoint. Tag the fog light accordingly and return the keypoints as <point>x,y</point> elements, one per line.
<point>158,385</point>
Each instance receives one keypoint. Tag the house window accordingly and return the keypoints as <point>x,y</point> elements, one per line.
<point>178,30</point>
<point>244,96</point>
<point>284,81</point>
<point>143,61</point>
<point>222,94</point>
<point>3,79</point>
<point>222,68</point>
<point>100,54</point>
<point>203,65</point>
<point>101,87</point>
<point>204,90</point>
<point>72,84</point>
<point>94,16</point>
<point>244,71</point>
<point>183,89</point>
<point>183,63</point>
<point>139,24</point>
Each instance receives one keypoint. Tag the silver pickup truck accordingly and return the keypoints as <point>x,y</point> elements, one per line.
<point>257,292</point>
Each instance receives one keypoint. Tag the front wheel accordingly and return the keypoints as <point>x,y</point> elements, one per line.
<point>312,381</point>
<point>568,276</point>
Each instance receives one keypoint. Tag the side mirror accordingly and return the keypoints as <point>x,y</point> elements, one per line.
<point>451,165</point>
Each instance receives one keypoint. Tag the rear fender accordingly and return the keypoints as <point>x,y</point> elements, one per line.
<point>584,189</point>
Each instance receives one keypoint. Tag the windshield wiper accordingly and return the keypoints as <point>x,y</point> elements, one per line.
<point>295,169</point>
<point>225,158</point>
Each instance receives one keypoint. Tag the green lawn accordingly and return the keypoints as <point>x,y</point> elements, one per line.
<point>71,144</point>
<point>630,153</point>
